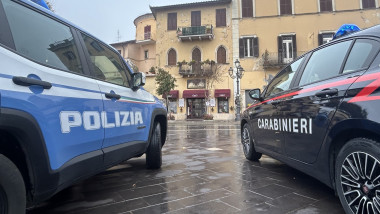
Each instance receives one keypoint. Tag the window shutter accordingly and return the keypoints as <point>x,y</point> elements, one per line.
<point>294,46</point>
<point>320,39</point>
<point>172,21</point>
<point>247,8</point>
<point>280,55</point>
<point>217,18</point>
<point>221,17</point>
<point>172,57</point>
<point>195,18</point>
<point>256,47</point>
<point>241,48</point>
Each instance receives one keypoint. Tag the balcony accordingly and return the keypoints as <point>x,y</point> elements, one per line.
<point>195,33</point>
<point>197,69</point>
<point>278,60</point>
<point>147,39</point>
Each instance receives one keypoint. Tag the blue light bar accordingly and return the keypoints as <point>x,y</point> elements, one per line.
<point>41,3</point>
<point>346,29</point>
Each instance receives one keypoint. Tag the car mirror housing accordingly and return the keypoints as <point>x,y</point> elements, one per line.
<point>255,94</point>
<point>138,80</point>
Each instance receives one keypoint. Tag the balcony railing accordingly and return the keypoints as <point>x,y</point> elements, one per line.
<point>279,60</point>
<point>195,33</point>
<point>197,69</point>
<point>147,36</point>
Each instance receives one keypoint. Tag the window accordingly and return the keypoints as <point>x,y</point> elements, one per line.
<point>324,38</point>
<point>361,55</point>
<point>195,18</point>
<point>106,63</point>
<point>287,49</point>
<point>221,55</point>
<point>325,63</point>
<point>197,57</point>
<point>221,17</point>
<point>172,57</point>
<point>172,21</point>
<point>368,4</point>
<point>249,47</point>
<point>247,8</point>
<point>147,30</point>
<point>325,6</point>
<point>282,81</point>
<point>146,54</point>
<point>172,106</point>
<point>223,105</point>
<point>286,7</point>
<point>42,39</point>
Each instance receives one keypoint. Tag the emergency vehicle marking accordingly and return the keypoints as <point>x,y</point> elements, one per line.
<point>363,95</point>
<point>295,125</point>
<point>93,120</point>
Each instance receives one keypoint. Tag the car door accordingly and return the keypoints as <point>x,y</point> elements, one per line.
<point>126,115</point>
<point>321,87</point>
<point>264,117</point>
<point>44,74</point>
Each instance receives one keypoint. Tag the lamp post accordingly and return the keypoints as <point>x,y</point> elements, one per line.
<point>238,75</point>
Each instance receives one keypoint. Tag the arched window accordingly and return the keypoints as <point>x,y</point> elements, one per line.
<point>172,57</point>
<point>221,56</point>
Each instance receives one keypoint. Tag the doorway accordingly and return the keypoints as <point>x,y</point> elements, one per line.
<point>196,108</point>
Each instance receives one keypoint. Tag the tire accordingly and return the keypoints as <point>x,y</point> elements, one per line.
<point>154,153</point>
<point>248,145</point>
<point>357,171</point>
<point>12,188</point>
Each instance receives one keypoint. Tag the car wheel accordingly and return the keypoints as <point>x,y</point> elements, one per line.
<point>154,153</point>
<point>357,176</point>
<point>12,188</point>
<point>248,144</point>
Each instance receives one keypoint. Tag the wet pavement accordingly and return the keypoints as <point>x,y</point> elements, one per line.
<point>203,171</point>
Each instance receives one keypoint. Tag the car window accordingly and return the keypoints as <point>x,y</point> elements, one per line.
<point>282,81</point>
<point>41,38</point>
<point>106,62</point>
<point>325,63</point>
<point>361,55</point>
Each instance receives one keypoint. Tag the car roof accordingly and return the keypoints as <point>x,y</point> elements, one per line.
<point>50,13</point>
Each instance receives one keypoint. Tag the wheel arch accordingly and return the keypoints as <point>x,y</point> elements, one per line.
<point>159,115</point>
<point>346,130</point>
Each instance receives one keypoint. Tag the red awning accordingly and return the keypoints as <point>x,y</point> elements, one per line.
<point>222,93</point>
<point>174,94</point>
<point>195,93</point>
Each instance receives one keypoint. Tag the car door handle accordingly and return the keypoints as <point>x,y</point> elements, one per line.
<point>113,96</point>
<point>327,92</point>
<point>25,81</point>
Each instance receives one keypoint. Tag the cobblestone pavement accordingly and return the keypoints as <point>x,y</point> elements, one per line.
<point>204,171</point>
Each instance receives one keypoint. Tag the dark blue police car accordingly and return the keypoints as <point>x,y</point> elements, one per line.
<point>321,115</point>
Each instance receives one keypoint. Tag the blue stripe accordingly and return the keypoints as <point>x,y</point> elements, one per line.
<point>6,76</point>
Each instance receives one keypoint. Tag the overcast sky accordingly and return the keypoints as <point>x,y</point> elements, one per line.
<point>104,18</point>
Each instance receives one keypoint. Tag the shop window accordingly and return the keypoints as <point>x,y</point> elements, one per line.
<point>223,105</point>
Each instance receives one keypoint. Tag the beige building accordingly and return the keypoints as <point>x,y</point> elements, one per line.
<point>264,35</point>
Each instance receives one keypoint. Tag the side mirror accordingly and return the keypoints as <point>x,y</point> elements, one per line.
<point>138,80</point>
<point>255,94</point>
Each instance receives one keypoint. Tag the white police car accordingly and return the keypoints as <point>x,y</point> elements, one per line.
<point>70,107</point>
<point>320,114</point>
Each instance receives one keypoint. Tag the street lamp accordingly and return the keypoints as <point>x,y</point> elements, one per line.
<point>238,75</point>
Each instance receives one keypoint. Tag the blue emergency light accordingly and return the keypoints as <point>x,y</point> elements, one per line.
<point>41,3</point>
<point>345,30</point>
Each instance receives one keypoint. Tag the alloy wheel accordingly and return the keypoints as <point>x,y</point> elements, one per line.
<point>360,180</point>
<point>246,141</point>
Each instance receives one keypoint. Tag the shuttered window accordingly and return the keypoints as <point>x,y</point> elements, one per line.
<point>285,7</point>
<point>172,21</point>
<point>221,17</point>
<point>195,18</point>
<point>221,55</point>
<point>172,57</point>
<point>325,5</point>
<point>249,47</point>
<point>247,8</point>
<point>368,4</point>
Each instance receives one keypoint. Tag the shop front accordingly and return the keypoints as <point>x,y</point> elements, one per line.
<point>222,96</point>
<point>195,103</point>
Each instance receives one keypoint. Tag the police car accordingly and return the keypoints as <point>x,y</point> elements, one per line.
<point>321,115</point>
<point>70,107</point>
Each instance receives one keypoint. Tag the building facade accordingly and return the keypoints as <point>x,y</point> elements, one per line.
<point>199,42</point>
